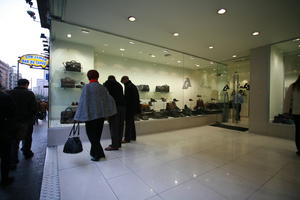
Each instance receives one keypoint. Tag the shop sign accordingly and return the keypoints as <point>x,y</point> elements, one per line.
<point>34,60</point>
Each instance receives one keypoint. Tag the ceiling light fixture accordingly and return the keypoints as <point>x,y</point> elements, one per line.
<point>197,65</point>
<point>153,56</point>
<point>210,47</point>
<point>85,31</point>
<point>221,11</point>
<point>211,63</point>
<point>121,49</point>
<point>166,51</point>
<point>255,33</point>
<point>296,40</point>
<point>131,18</point>
<point>69,35</point>
<point>176,34</point>
<point>234,56</point>
<point>178,61</point>
<point>131,42</point>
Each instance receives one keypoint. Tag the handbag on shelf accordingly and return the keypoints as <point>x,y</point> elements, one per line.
<point>67,83</point>
<point>163,88</point>
<point>143,88</point>
<point>73,144</point>
<point>72,66</point>
<point>67,116</point>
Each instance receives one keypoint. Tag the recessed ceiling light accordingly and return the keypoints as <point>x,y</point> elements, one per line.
<point>131,18</point>
<point>166,51</point>
<point>153,56</point>
<point>69,35</point>
<point>85,31</point>
<point>255,33</point>
<point>131,42</point>
<point>197,65</point>
<point>221,11</point>
<point>178,61</point>
<point>299,45</point>
<point>211,63</point>
<point>210,47</point>
<point>297,39</point>
<point>234,56</point>
<point>175,34</point>
<point>121,49</point>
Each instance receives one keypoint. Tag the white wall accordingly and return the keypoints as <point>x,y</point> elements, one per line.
<point>153,74</point>
<point>276,82</point>
<point>61,52</point>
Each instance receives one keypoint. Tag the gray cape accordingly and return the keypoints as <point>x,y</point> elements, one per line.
<point>95,102</point>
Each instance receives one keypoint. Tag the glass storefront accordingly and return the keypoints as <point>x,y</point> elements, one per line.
<point>171,84</point>
<point>284,70</point>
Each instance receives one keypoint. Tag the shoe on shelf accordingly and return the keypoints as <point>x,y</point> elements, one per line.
<point>110,148</point>
<point>7,181</point>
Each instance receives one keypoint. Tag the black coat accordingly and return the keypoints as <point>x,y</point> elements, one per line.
<point>132,99</point>
<point>25,103</point>
<point>7,114</point>
<point>115,89</point>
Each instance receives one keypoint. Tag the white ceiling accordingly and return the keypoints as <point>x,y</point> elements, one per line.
<point>196,20</point>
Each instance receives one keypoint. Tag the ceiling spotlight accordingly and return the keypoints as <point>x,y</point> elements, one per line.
<point>121,49</point>
<point>85,31</point>
<point>210,47</point>
<point>197,65</point>
<point>178,61</point>
<point>69,35</point>
<point>131,18</point>
<point>234,56</point>
<point>299,45</point>
<point>131,42</point>
<point>221,11</point>
<point>166,51</point>
<point>255,33</point>
<point>153,56</point>
<point>211,63</point>
<point>176,34</point>
<point>296,40</point>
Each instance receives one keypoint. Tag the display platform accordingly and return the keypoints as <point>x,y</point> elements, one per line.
<point>59,134</point>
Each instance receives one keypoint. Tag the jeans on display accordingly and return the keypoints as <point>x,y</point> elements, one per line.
<point>94,132</point>
<point>116,126</point>
<point>130,133</point>
<point>297,134</point>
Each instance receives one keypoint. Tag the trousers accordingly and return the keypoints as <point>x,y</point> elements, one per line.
<point>94,131</point>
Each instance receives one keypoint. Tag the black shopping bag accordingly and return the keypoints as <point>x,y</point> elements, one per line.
<point>73,144</point>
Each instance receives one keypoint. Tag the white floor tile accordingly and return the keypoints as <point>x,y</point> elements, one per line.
<point>162,177</point>
<point>130,187</point>
<point>112,168</point>
<point>84,182</point>
<point>191,190</point>
<point>229,185</point>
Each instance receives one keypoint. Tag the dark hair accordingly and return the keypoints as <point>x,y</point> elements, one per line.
<point>111,78</point>
<point>124,78</point>
<point>23,82</point>
<point>92,74</point>
<point>296,84</point>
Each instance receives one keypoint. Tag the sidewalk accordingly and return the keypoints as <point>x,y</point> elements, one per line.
<point>29,173</point>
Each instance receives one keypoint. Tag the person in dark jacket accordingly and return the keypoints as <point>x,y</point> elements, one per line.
<point>132,100</point>
<point>116,122</point>
<point>26,109</point>
<point>7,114</point>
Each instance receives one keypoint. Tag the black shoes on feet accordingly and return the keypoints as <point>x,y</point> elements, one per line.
<point>110,148</point>
<point>7,181</point>
<point>97,158</point>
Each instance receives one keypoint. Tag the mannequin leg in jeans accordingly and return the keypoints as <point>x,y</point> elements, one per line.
<point>297,135</point>
<point>94,132</point>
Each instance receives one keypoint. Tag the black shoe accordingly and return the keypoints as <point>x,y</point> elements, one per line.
<point>95,159</point>
<point>28,155</point>
<point>7,181</point>
<point>124,141</point>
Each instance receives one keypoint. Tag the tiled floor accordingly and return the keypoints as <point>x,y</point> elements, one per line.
<point>206,163</point>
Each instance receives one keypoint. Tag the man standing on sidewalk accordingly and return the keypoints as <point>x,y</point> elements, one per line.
<point>132,100</point>
<point>25,116</point>
<point>116,122</point>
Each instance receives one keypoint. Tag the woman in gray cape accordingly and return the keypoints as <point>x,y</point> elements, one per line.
<point>94,106</point>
